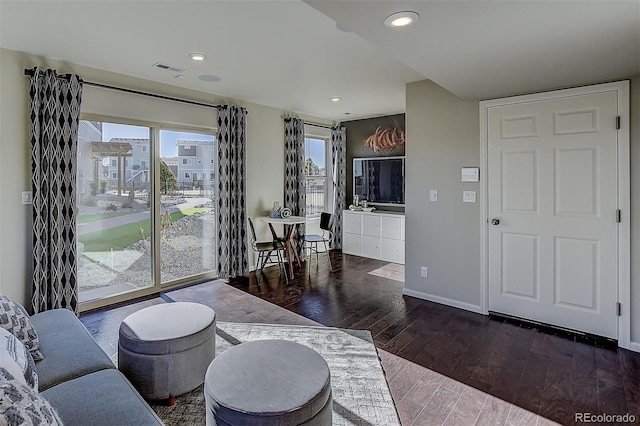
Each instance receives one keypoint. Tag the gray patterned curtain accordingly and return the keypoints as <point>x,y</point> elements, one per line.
<point>339,164</point>
<point>231,212</point>
<point>295,196</point>
<point>54,112</point>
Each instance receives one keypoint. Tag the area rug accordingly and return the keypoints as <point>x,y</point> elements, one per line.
<point>361,394</point>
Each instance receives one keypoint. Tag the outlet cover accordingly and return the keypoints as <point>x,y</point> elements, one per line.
<point>433,195</point>
<point>424,272</point>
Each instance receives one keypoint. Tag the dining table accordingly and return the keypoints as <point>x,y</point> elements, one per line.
<point>290,224</point>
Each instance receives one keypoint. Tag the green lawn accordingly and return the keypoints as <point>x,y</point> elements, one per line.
<point>120,237</point>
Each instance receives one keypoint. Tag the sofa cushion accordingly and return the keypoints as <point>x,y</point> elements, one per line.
<point>101,398</point>
<point>14,319</point>
<point>22,405</point>
<point>15,358</point>
<point>68,348</point>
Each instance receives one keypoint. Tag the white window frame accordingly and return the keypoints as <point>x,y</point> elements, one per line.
<point>327,170</point>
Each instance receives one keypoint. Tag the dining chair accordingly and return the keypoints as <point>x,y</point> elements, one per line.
<point>312,240</point>
<point>265,251</point>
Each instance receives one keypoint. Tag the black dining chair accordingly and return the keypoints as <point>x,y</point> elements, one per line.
<point>266,250</point>
<point>312,240</point>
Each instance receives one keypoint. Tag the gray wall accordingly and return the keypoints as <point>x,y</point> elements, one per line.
<point>442,137</point>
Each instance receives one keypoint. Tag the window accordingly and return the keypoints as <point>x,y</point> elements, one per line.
<point>144,148</point>
<point>184,161</point>
<point>114,175</point>
<point>187,176</point>
<point>316,175</point>
<point>114,162</point>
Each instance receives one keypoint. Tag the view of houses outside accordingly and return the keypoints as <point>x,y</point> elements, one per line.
<point>114,217</point>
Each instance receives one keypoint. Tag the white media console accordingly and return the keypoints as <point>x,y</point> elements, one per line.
<point>376,235</point>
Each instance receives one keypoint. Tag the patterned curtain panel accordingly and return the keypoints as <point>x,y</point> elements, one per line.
<point>339,164</point>
<point>55,113</point>
<point>231,214</point>
<point>295,196</point>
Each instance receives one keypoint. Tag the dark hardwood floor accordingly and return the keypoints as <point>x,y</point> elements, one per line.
<point>551,374</point>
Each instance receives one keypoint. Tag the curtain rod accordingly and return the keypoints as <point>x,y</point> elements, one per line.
<point>30,72</point>
<point>318,125</point>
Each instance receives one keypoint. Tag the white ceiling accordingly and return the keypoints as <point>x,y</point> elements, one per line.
<point>290,54</point>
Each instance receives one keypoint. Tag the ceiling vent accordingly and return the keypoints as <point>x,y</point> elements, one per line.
<point>168,67</point>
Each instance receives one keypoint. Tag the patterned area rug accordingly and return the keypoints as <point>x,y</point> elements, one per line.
<point>361,395</point>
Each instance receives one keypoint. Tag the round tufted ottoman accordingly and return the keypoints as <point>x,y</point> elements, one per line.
<point>268,382</point>
<point>164,350</point>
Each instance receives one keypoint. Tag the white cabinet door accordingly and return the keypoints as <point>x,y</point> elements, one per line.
<point>371,225</point>
<point>351,244</point>
<point>391,228</point>
<point>351,222</point>
<point>392,250</point>
<point>370,247</point>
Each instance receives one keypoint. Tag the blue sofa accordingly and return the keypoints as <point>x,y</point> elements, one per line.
<point>79,380</point>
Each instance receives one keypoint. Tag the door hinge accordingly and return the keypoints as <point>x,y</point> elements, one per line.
<point>618,122</point>
<point>619,216</point>
<point>618,308</point>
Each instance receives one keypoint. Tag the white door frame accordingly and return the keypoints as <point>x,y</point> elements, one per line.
<point>624,194</point>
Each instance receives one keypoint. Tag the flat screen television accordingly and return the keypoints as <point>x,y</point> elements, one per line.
<point>379,180</point>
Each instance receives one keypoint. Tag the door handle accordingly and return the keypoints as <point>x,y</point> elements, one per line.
<point>495,221</point>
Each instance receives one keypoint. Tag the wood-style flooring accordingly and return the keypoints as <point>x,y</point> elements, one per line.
<point>444,365</point>
<point>551,374</point>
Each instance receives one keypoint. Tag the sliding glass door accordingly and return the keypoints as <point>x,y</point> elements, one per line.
<point>187,236</point>
<point>145,209</point>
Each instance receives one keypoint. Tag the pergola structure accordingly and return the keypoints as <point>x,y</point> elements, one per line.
<point>114,149</point>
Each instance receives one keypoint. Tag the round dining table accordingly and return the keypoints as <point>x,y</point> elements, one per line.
<point>290,223</point>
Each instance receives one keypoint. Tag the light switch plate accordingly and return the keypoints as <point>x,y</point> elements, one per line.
<point>469,196</point>
<point>27,197</point>
<point>433,195</point>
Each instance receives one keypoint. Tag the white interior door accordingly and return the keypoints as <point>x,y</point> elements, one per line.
<point>552,203</point>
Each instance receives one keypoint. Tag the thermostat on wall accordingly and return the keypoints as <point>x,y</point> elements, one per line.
<point>470,174</point>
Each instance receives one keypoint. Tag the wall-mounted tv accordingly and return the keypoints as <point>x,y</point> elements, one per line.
<point>379,180</point>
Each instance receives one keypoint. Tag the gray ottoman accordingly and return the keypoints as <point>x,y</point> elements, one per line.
<point>164,350</point>
<point>268,382</point>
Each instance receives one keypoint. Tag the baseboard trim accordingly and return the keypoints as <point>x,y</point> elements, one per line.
<point>634,346</point>
<point>443,300</point>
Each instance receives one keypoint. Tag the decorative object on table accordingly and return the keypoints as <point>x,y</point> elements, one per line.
<point>276,210</point>
<point>285,213</point>
<point>368,209</point>
<point>355,208</point>
<point>356,200</point>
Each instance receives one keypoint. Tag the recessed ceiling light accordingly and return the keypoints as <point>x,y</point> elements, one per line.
<point>198,56</point>
<point>335,99</point>
<point>401,19</point>
<point>209,78</point>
